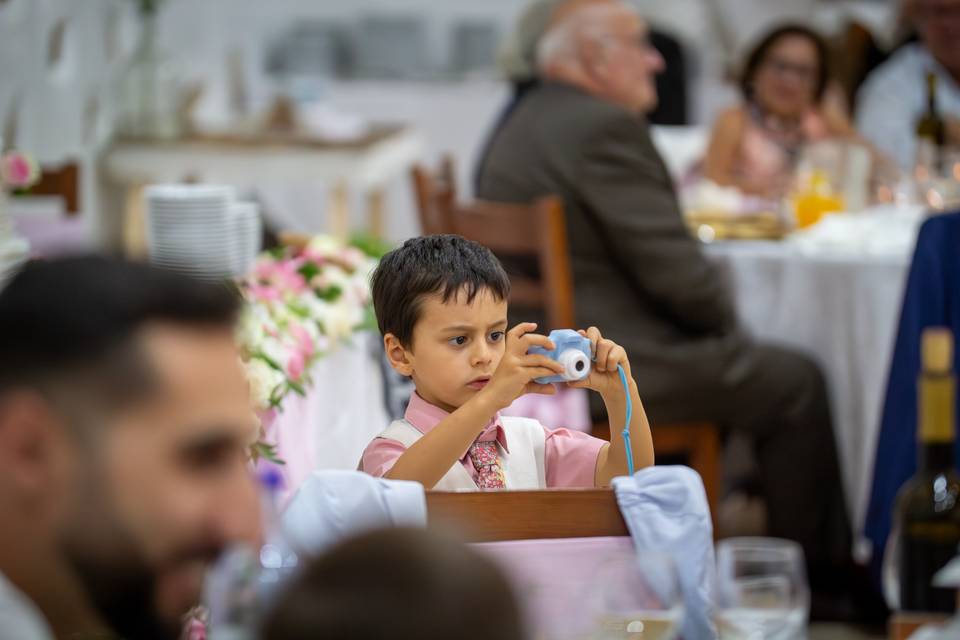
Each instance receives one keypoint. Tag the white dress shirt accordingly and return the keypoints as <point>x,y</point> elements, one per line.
<point>895,95</point>
<point>20,619</point>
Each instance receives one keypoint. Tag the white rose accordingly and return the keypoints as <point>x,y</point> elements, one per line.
<point>342,319</point>
<point>275,349</point>
<point>263,380</point>
<point>250,329</point>
<point>325,244</point>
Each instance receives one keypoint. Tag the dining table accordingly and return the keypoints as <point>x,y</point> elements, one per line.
<point>833,292</point>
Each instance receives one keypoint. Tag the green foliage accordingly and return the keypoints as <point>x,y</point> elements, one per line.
<point>373,246</point>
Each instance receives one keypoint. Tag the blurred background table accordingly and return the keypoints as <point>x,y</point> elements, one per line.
<point>833,293</point>
<point>365,165</point>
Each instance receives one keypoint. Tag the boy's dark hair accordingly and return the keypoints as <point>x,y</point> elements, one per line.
<point>73,322</point>
<point>440,264</point>
<point>758,56</point>
<point>406,584</point>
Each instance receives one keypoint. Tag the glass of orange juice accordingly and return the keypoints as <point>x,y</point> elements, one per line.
<point>815,198</point>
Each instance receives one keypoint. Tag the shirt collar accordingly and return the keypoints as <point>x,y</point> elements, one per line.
<point>425,416</point>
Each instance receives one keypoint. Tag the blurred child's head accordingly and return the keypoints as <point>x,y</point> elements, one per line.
<point>441,303</point>
<point>398,584</point>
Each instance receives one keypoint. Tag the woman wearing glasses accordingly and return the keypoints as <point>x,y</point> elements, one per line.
<point>754,145</point>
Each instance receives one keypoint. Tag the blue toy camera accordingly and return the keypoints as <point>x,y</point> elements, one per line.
<point>572,351</point>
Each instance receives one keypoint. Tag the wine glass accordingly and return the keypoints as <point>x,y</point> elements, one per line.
<point>637,596</point>
<point>762,591</point>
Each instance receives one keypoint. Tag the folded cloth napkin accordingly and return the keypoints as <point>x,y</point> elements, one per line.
<point>666,510</point>
<point>331,505</point>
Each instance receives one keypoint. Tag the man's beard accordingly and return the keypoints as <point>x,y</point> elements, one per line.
<point>123,592</point>
<point>124,588</point>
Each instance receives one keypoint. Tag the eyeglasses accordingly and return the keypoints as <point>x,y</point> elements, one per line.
<point>641,42</point>
<point>801,72</point>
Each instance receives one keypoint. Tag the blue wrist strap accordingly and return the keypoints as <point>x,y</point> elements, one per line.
<point>629,417</point>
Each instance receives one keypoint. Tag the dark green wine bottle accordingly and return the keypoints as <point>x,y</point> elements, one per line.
<point>931,130</point>
<point>928,505</point>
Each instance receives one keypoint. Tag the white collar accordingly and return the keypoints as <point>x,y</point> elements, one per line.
<point>20,618</point>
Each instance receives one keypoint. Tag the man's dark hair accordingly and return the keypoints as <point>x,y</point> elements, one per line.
<point>445,265</point>
<point>75,320</point>
<point>397,583</point>
<point>759,54</point>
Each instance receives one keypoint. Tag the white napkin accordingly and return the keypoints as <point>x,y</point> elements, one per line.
<point>666,510</point>
<point>331,505</point>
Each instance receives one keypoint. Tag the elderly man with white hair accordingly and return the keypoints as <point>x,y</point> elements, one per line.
<point>581,134</point>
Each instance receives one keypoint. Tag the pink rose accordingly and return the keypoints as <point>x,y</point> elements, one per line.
<point>304,341</point>
<point>196,630</point>
<point>264,293</point>
<point>312,254</point>
<point>296,365</point>
<point>18,170</point>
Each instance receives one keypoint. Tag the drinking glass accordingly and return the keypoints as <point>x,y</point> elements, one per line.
<point>637,597</point>
<point>762,591</point>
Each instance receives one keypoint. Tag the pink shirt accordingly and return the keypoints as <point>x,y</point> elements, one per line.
<point>570,457</point>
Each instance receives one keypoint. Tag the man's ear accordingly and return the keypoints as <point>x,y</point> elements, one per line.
<point>31,443</point>
<point>401,359</point>
<point>594,58</point>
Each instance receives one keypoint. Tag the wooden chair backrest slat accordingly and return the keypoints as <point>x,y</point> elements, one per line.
<point>527,515</point>
<point>536,230</point>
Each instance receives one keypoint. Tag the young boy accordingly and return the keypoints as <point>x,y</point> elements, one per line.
<point>441,304</point>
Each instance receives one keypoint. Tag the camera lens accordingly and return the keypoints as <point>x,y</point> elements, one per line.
<point>576,364</point>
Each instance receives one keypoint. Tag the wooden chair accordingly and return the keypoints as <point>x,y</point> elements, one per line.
<point>537,231</point>
<point>527,515</point>
<point>433,193</point>
<point>697,443</point>
<point>540,230</point>
<point>63,181</point>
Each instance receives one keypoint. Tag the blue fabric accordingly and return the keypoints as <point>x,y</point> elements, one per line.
<point>931,298</point>
<point>666,510</point>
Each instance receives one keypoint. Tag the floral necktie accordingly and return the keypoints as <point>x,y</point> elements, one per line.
<point>488,465</point>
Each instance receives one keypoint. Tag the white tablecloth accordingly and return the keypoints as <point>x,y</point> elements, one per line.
<point>840,306</point>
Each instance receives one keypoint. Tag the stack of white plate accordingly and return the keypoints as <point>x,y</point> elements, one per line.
<point>247,236</point>
<point>201,230</point>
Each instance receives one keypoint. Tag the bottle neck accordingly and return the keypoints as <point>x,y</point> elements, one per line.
<point>935,457</point>
<point>936,421</point>
<point>931,95</point>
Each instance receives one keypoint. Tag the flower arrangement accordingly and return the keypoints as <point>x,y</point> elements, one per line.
<point>18,171</point>
<point>301,303</point>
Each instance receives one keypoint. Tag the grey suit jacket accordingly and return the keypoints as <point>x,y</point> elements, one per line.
<point>638,275</point>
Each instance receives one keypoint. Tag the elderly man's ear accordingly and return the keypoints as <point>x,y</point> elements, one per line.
<point>596,57</point>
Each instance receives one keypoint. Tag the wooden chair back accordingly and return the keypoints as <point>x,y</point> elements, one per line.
<point>536,231</point>
<point>434,194</point>
<point>526,515</point>
<point>63,181</point>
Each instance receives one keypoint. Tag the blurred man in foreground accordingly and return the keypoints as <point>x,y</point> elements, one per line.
<point>124,421</point>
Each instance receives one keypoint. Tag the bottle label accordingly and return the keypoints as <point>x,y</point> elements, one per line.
<point>936,409</point>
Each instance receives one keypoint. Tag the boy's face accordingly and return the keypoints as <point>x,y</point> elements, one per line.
<point>456,347</point>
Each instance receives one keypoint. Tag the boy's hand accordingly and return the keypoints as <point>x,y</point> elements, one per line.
<point>517,369</point>
<point>607,354</point>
